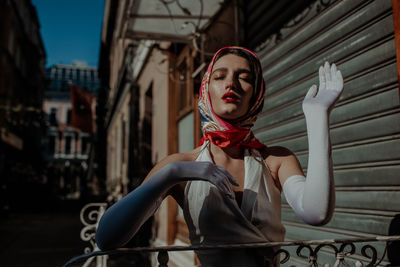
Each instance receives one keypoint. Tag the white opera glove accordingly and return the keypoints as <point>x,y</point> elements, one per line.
<point>313,198</point>
<point>121,221</point>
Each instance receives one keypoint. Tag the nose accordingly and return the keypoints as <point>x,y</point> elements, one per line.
<point>230,82</point>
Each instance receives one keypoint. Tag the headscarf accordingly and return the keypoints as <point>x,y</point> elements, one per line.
<point>235,133</point>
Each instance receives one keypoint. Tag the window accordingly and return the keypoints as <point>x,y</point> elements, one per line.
<point>68,142</point>
<point>184,128</point>
<point>60,74</point>
<point>147,129</point>
<point>67,74</point>
<point>123,141</point>
<point>53,117</point>
<point>84,145</point>
<point>186,133</point>
<point>64,86</point>
<point>185,116</point>
<point>52,144</point>
<point>68,119</point>
<point>53,73</point>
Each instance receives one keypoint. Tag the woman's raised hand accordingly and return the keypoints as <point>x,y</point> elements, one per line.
<point>313,198</point>
<point>330,88</point>
<point>205,171</point>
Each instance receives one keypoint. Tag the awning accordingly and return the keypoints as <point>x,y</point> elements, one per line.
<point>170,20</point>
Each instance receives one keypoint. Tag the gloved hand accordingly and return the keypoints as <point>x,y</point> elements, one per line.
<point>313,197</point>
<point>330,88</point>
<point>205,171</point>
<point>122,220</point>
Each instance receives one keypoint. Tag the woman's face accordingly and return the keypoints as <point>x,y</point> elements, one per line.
<point>231,86</point>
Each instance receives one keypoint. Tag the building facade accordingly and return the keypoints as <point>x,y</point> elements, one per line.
<point>22,80</point>
<point>154,76</point>
<point>67,145</point>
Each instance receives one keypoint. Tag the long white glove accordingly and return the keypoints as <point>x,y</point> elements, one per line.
<point>122,220</point>
<point>313,198</point>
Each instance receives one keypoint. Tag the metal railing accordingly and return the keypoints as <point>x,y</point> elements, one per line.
<point>344,250</point>
<point>90,216</point>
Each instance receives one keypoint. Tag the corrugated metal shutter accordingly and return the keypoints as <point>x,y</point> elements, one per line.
<point>365,124</point>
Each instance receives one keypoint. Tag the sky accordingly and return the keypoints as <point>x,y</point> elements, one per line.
<point>70,30</point>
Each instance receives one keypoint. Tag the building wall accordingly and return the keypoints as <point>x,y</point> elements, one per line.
<point>22,80</point>
<point>118,47</point>
<point>154,77</point>
<point>62,107</point>
<point>117,169</point>
<point>22,59</point>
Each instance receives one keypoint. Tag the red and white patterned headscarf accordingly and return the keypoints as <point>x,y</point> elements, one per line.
<point>235,133</point>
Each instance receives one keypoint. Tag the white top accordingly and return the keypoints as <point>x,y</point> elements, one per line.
<point>214,218</point>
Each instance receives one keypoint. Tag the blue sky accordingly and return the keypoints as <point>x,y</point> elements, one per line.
<point>70,29</point>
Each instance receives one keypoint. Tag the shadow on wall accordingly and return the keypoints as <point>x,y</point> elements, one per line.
<point>394,247</point>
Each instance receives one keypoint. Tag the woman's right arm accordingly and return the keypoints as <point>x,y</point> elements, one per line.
<point>122,220</point>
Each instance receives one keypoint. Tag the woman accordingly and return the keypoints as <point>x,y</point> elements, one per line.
<point>230,187</point>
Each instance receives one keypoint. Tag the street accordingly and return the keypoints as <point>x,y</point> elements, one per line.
<point>42,239</point>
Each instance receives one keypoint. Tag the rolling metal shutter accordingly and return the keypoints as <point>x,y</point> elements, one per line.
<point>365,124</point>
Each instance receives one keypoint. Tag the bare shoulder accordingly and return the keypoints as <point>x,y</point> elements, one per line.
<point>281,161</point>
<point>275,154</point>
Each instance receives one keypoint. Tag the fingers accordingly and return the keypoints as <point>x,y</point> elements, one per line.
<point>223,186</point>
<point>333,70</point>
<point>337,78</point>
<point>322,79</point>
<point>312,92</point>
<point>330,74</point>
<point>228,175</point>
<point>327,70</point>
<point>233,181</point>
<point>339,81</point>
<point>223,179</point>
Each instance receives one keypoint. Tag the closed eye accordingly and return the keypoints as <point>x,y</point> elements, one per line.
<point>218,77</point>
<point>246,78</point>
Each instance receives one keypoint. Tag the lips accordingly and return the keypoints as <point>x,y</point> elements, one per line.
<point>230,97</point>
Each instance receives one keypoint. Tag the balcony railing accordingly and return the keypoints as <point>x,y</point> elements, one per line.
<point>345,252</point>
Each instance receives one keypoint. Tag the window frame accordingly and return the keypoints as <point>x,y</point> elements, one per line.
<point>177,228</point>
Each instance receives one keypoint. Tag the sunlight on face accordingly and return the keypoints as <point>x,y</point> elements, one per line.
<point>231,87</point>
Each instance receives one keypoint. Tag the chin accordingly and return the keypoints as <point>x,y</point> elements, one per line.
<point>230,112</point>
<point>230,116</point>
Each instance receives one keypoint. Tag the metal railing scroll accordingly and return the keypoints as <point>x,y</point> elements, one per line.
<point>343,251</point>
<point>90,216</point>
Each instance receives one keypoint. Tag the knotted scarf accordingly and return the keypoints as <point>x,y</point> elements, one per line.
<point>234,133</point>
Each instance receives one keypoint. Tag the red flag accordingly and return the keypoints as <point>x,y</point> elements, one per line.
<point>82,115</point>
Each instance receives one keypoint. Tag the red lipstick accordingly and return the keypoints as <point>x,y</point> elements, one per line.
<point>230,97</point>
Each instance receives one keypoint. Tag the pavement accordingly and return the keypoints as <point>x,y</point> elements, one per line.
<point>40,238</point>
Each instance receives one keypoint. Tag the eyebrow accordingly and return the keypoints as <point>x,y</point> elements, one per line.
<point>226,69</point>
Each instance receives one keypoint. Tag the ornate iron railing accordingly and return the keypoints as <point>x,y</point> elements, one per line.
<point>90,215</point>
<point>344,250</point>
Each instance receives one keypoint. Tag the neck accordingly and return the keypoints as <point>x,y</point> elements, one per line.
<point>230,152</point>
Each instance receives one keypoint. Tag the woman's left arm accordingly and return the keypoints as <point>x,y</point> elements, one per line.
<point>313,197</point>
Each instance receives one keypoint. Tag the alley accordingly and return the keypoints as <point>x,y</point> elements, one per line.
<point>47,238</point>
